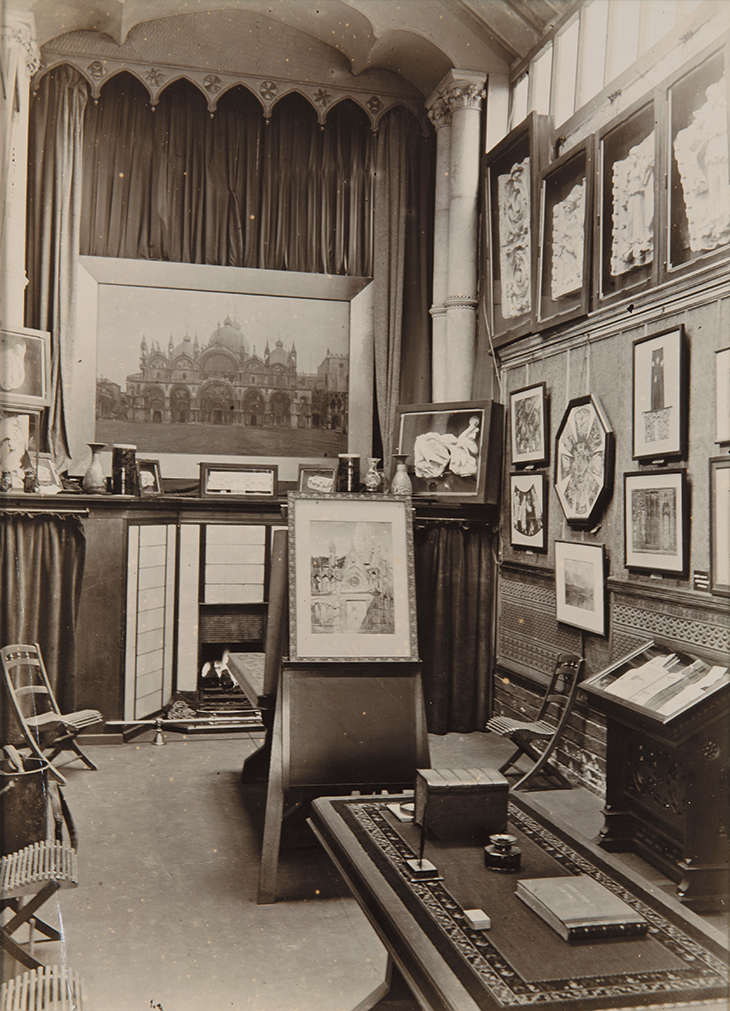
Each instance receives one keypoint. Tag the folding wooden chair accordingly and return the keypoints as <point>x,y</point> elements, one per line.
<point>548,726</point>
<point>44,728</point>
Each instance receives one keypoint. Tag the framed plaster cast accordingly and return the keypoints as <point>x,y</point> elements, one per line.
<point>227,394</point>
<point>24,369</point>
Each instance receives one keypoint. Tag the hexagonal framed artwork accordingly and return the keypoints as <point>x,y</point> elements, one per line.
<point>584,458</point>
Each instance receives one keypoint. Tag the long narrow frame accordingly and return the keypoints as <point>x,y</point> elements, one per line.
<point>580,596</point>
<point>351,578</point>
<point>720,526</point>
<point>660,395</point>
<point>656,521</point>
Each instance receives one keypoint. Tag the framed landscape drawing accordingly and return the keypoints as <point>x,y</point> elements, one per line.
<point>655,522</point>
<point>351,578</point>
<point>584,449</point>
<point>660,395</point>
<point>579,585</point>
<point>720,526</point>
<point>528,420</point>
<point>528,510</point>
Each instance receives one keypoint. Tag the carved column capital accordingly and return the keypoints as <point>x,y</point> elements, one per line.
<point>440,113</point>
<point>465,96</point>
<point>18,28</point>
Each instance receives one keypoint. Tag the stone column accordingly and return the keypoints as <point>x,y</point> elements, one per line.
<point>464,91</point>
<point>20,59</point>
<point>440,115</point>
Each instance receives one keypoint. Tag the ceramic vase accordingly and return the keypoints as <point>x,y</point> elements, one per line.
<point>372,479</point>
<point>401,483</point>
<point>94,481</point>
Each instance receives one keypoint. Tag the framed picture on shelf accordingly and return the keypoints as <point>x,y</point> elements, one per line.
<point>528,510</point>
<point>528,425</point>
<point>351,578</point>
<point>566,223</point>
<point>720,526</point>
<point>656,521</point>
<point>49,482</point>
<point>660,395</point>
<point>149,479</point>
<point>320,480</point>
<point>580,585</point>
<point>232,480</point>
<point>584,451</point>
<point>24,369</point>
<point>454,449</point>
<point>722,395</point>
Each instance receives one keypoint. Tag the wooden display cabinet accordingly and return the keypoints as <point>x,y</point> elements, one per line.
<point>667,766</point>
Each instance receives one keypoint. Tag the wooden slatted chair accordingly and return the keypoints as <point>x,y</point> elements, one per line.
<point>45,729</point>
<point>48,988</point>
<point>547,727</point>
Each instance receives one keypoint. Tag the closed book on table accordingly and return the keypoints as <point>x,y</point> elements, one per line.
<point>579,908</point>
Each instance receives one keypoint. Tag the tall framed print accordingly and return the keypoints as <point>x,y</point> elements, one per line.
<point>528,510</point>
<point>529,423</point>
<point>720,526</point>
<point>660,395</point>
<point>656,521</point>
<point>584,450</point>
<point>722,396</point>
<point>580,585</point>
<point>351,578</point>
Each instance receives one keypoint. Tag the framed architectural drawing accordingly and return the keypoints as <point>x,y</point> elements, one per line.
<point>720,526</point>
<point>627,202</point>
<point>351,578</point>
<point>528,510</point>
<point>579,585</point>
<point>584,450</point>
<point>566,224</point>
<point>656,522</point>
<point>722,396</point>
<point>529,425</point>
<point>238,480</point>
<point>660,395</point>
<point>24,369</point>
<point>510,172</point>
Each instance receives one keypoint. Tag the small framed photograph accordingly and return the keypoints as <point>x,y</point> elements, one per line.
<point>580,585</point>
<point>25,359</point>
<point>720,526</point>
<point>660,395</point>
<point>584,450</point>
<point>320,480</point>
<point>529,426</point>
<point>722,396</point>
<point>655,521</point>
<point>528,510</point>
<point>149,479</point>
<point>234,480</point>
<point>49,482</point>
<point>351,578</point>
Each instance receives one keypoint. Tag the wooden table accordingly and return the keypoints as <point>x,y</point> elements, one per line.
<point>438,962</point>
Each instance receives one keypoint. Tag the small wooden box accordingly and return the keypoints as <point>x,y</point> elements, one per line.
<point>464,805</point>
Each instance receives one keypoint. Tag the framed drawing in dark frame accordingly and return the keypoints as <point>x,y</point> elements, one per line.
<point>25,363</point>
<point>454,449</point>
<point>722,396</point>
<point>351,578</point>
<point>720,526</point>
<point>149,478</point>
<point>660,395</point>
<point>528,510</point>
<point>580,598</point>
<point>233,480</point>
<point>656,521</point>
<point>529,425</point>
<point>320,480</point>
<point>564,249</point>
<point>584,452</point>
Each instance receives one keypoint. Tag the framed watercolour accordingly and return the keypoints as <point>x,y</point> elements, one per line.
<point>454,449</point>
<point>722,395</point>
<point>584,449</point>
<point>720,526</point>
<point>232,480</point>
<point>320,480</point>
<point>528,417</point>
<point>655,521</point>
<point>528,510</point>
<point>660,395</point>
<point>149,479</point>
<point>580,585</point>
<point>566,223</point>
<point>351,578</point>
<point>24,369</point>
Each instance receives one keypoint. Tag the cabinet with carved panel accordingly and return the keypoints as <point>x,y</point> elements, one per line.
<point>668,765</point>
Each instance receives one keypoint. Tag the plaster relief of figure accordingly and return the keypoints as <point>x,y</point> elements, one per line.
<point>513,193</point>
<point>701,150</point>
<point>568,238</point>
<point>633,208</point>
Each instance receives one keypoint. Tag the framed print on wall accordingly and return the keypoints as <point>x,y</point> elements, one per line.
<point>722,395</point>
<point>351,578</point>
<point>528,416</point>
<point>656,521</point>
<point>579,585</point>
<point>528,510</point>
<point>720,526</point>
<point>24,369</point>
<point>660,395</point>
<point>584,449</point>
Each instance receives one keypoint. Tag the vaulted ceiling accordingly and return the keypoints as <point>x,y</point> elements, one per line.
<point>420,40</point>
